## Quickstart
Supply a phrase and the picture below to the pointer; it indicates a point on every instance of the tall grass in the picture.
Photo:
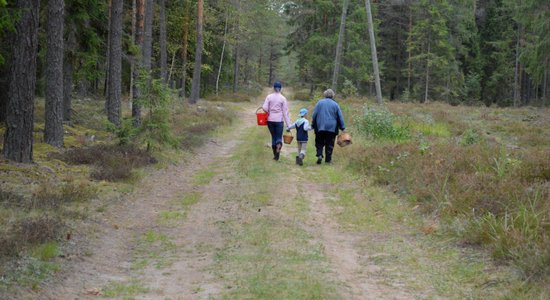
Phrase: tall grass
(501, 196)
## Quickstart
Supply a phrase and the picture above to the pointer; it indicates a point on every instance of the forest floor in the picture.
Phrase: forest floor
(233, 223)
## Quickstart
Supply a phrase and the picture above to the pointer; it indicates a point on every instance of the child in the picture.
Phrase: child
(302, 127)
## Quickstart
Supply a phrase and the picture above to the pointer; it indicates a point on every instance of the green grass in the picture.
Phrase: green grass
(266, 257)
(204, 176)
(154, 248)
(46, 251)
(124, 290)
(431, 129)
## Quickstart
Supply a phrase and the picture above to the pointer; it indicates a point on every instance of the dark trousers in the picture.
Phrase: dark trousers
(325, 139)
(276, 130)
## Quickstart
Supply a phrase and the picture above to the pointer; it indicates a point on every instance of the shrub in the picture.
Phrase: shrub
(112, 162)
(348, 89)
(381, 124)
(302, 95)
(470, 137)
(506, 196)
(39, 228)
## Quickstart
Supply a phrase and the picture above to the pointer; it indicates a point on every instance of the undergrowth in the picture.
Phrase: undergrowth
(41, 202)
(484, 189)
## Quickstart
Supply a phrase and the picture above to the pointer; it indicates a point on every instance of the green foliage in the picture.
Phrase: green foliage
(470, 137)
(155, 96)
(349, 89)
(381, 124)
(125, 133)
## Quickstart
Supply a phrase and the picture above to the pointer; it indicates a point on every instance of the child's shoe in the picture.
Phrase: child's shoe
(297, 160)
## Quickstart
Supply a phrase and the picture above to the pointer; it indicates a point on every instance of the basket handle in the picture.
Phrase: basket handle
(289, 131)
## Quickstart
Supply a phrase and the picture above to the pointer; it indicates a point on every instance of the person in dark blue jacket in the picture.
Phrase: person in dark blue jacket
(326, 120)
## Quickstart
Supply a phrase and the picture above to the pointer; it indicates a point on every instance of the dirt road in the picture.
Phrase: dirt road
(232, 223)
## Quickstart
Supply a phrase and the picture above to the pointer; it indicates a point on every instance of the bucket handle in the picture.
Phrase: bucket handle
(259, 109)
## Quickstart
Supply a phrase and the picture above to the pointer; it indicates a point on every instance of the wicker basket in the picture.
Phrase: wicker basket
(287, 138)
(343, 139)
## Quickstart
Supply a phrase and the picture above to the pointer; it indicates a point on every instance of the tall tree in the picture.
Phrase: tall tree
(115, 63)
(374, 54)
(223, 51)
(138, 58)
(53, 130)
(196, 84)
(18, 138)
(162, 40)
(185, 45)
(338, 57)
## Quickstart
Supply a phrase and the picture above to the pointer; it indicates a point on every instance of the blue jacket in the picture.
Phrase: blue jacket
(327, 116)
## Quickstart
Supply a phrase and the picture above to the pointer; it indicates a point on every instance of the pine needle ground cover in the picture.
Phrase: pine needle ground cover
(481, 173)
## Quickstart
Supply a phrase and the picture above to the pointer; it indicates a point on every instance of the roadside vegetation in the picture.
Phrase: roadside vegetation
(478, 175)
(43, 204)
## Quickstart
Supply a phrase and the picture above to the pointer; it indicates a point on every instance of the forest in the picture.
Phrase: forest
(130, 153)
(461, 52)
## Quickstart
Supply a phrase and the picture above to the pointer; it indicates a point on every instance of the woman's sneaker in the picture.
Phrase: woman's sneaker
(319, 159)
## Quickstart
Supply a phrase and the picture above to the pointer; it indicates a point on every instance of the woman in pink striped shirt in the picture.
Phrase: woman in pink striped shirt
(276, 106)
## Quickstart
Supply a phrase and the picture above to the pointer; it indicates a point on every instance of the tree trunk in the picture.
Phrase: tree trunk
(339, 46)
(271, 66)
(236, 52)
(374, 54)
(409, 51)
(516, 72)
(163, 54)
(147, 49)
(18, 138)
(236, 67)
(115, 63)
(136, 94)
(184, 47)
(196, 84)
(427, 79)
(133, 59)
(221, 56)
(172, 67)
(53, 129)
(106, 81)
(545, 86)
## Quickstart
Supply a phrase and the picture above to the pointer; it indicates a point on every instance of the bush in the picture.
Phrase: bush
(505, 197)
(381, 124)
(470, 137)
(112, 162)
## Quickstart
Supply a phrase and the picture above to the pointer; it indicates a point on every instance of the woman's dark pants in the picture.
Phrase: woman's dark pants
(325, 139)
(276, 130)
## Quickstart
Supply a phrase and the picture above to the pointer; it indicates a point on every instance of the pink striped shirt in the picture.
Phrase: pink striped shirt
(275, 104)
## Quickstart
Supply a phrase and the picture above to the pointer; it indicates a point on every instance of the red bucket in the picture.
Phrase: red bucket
(261, 116)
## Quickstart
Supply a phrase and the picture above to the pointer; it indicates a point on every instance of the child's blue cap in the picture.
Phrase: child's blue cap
(303, 112)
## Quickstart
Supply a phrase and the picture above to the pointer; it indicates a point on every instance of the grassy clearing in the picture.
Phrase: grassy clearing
(41, 202)
(406, 249)
(480, 175)
(266, 257)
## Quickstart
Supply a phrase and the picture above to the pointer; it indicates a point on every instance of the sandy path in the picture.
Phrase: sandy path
(118, 234)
